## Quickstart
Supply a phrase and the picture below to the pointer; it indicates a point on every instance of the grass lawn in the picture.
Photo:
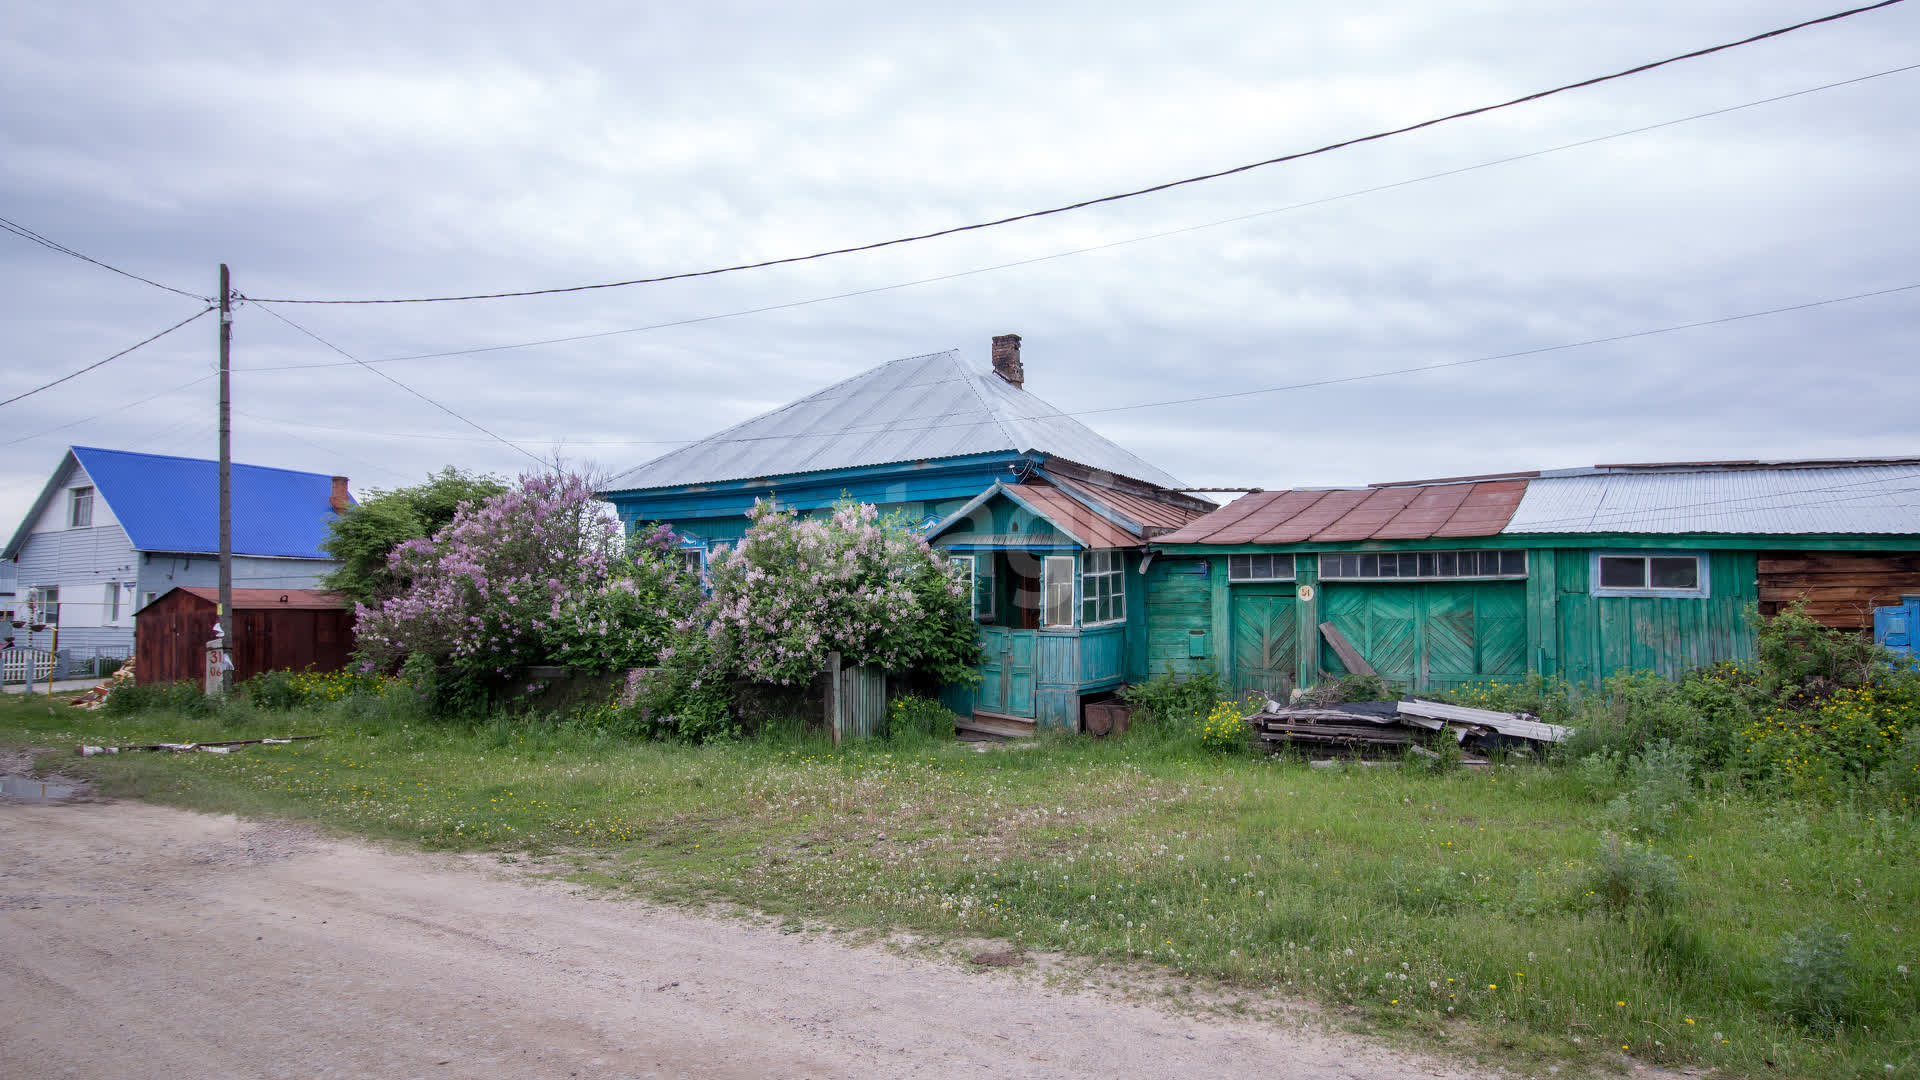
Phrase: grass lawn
(1446, 909)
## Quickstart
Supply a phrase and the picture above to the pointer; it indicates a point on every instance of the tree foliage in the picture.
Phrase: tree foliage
(364, 536)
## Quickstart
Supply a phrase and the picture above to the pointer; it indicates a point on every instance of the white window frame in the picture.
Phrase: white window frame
(1439, 557)
(1112, 569)
(1245, 567)
(1703, 567)
(39, 599)
(966, 568)
(110, 609)
(80, 497)
(1056, 575)
(693, 560)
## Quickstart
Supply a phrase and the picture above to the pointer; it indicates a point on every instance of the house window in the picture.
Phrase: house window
(1103, 587)
(692, 560)
(1424, 565)
(1056, 588)
(976, 571)
(43, 604)
(80, 507)
(1260, 567)
(110, 611)
(1635, 573)
(148, 598)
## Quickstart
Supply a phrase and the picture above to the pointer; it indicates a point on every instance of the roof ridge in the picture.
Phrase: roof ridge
(199, 460)
(973, 384)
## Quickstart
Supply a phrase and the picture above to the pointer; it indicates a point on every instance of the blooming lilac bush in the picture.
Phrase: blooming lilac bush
(539, 574)
(865, 585)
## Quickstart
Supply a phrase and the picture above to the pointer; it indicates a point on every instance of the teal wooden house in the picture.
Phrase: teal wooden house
(958, 447)
(1575, 573)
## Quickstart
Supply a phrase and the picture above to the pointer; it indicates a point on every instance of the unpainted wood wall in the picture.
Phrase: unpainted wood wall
(1841, 587)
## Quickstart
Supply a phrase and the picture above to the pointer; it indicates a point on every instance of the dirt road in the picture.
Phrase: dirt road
(138, 941)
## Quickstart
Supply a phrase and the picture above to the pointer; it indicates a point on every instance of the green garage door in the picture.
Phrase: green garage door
(1265, 644)
(1432, 636)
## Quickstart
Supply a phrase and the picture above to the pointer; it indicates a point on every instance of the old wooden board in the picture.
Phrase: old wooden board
(1344, 649)
(1504, 723)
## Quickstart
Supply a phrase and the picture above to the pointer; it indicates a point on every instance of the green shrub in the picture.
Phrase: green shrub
(1599, 773)
(1224, 728)
(182, 697)
(911, 714)
(1811, 978)
(1349, 688)
(1550, 699)
(1659, 786)
(1628, 878)
(1172, 699)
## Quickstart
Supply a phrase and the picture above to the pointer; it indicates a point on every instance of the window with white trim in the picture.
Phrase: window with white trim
(692, 560)
(110, 610)
(80, 507)
(1649, 573)
(1423, 565)
(1103, 587)
(979, 586)
(1056, 591)
(1260, 568)
(43, 604)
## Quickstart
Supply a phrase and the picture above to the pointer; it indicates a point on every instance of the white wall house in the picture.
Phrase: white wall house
(114, 529)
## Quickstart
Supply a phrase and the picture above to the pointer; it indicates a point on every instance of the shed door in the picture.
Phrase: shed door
(1265, 644)
(1435, 635)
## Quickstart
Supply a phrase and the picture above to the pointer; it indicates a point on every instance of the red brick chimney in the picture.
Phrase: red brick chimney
(1006, 359)
(339, 500)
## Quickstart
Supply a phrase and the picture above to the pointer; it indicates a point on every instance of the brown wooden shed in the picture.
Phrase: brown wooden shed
(275, 629)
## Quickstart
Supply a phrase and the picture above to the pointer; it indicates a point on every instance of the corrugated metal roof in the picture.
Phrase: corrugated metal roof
(1845, 500)
(1349, 514)
(267, 599)
(915, 409)
(173, 504)
(1139, 509)
(1074, 517)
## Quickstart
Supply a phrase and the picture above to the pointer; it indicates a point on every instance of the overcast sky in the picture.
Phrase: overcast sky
(360, 150)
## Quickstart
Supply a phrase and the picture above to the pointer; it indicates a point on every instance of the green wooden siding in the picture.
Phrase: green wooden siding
(1179, 601)
(1599, 636)
(1431, 635)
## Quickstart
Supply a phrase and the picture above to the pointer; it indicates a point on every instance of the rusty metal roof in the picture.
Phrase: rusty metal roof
(1139, 509)
(268, 599)
(1349, 514)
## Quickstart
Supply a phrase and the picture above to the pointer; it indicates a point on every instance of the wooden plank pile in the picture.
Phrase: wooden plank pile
(96, 697)
(1373, 727)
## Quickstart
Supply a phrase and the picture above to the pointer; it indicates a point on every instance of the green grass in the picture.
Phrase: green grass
(1444, 909)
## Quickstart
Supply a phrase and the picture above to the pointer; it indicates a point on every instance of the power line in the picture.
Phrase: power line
(1334, 381)
(25, 233)
(1168, 185)
(108, 412)
(696, 319)
(108, 360)
(398, 383)
(447, 438)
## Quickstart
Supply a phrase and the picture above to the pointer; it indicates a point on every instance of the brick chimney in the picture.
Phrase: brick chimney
(339, 500)
(1006, 359)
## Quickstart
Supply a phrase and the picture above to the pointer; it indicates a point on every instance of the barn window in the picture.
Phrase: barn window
(1259, 568)
(1103, 587)
(1649, 573)
(1424, 565)
(80, 507)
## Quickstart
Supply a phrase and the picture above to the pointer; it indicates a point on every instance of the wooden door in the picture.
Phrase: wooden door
(1265, 645)
(992, 696)
(1019, 670)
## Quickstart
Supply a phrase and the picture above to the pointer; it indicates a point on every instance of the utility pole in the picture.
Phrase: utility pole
(225, 613)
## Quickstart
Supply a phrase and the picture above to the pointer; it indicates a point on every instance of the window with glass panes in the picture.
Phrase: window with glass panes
(1259, 568)
(1632, 573)
(1103, 587)
(1056, 587)
(1423, 565)
(80, 507)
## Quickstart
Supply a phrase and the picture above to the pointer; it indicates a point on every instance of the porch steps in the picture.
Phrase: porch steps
(987, 723)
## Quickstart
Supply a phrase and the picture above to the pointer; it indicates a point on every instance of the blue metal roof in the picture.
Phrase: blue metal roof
(173, 504)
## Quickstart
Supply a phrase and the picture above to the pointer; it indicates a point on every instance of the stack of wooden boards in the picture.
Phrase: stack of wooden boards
(1363, 727)
(96, 697)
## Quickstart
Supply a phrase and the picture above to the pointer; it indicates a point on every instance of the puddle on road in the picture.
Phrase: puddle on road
(36, 789)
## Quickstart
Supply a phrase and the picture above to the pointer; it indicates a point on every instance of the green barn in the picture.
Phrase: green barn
(1577, 573)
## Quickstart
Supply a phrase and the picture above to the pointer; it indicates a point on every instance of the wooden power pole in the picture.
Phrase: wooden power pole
(225, 614)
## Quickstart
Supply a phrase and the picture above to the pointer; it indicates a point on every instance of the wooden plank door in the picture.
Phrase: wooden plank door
(1019, 668)
(1393, 633)
(1450, 657)
(1500, 622)
(1265, 645)
(992, 696)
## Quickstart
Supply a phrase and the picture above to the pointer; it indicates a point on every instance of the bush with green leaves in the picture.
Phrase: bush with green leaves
(182, 697)
(363, 536)
(1810, 979)
(1174, 699)
(912, 714)
(1549, 698)
(1659, 782)
(1627, 878)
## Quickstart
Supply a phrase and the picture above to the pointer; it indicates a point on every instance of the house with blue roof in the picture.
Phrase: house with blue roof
(1048, 518)
(114, 529)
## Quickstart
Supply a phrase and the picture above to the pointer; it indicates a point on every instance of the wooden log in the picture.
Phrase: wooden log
(1342, 648)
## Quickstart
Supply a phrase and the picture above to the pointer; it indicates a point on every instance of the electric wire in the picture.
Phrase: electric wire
(450, 412)
(1099, 200)
(25, 233)
(108, 360)
(107, 412)
(1185, 229)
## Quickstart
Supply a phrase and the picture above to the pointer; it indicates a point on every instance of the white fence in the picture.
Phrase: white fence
(25, 665)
